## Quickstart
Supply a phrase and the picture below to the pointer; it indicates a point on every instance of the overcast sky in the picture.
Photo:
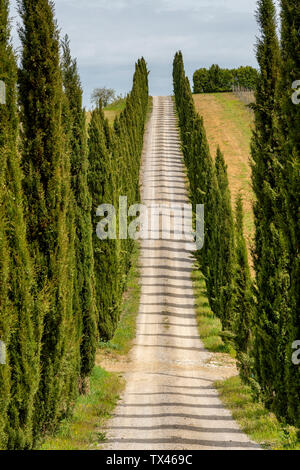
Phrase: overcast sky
(107, 36)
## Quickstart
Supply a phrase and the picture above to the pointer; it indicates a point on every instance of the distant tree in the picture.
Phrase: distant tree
(107, 95)
(201, 81)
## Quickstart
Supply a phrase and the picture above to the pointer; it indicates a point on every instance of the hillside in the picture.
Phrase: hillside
(111, 111)
(228, 124)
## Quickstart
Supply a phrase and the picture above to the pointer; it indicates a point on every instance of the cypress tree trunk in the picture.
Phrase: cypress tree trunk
(20, 321)
(84, 306)
(49, 210)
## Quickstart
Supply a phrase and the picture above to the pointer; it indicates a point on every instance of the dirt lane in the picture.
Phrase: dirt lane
(169, 402)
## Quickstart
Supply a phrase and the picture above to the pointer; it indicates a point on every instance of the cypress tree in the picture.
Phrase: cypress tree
(243, 298)
(288, 399)
(224, 268)
(48, 208)
(209, 186)
(6, 317)
(114, 158)
(270, 253)
(84, 306)
(19, 321)
(101, 186)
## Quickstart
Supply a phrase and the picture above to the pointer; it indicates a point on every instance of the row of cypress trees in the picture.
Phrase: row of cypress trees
(60, 286)
(276, 179)
(114, 153)
(261, 317)
(223, 259)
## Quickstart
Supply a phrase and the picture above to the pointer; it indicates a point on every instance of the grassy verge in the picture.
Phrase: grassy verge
(209, 326)
(254, 419)
(84, 430)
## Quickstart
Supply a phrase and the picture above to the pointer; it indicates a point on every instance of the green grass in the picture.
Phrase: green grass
(209, 326)
(113, 110)
(86, 428)
(126, 331)
(254, 419)
(237, 112)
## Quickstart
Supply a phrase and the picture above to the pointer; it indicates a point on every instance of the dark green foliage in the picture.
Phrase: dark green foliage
(209, 186)
(216, 79)
(19, 320)
(225, 246)
(114, 158)
(101, 186)
(243, 299)
(84, 306)
(275, 152)
(49, 317)
(49, 209)
(270, 255)
(289, 220)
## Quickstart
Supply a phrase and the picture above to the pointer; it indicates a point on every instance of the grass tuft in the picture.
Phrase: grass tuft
(84, 430)
(209, 326)
(255, 420)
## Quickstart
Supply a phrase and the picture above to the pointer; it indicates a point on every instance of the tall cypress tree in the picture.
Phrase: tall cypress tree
(225, 265)
(114, 162)
(270, 252)
(6, 317)
(101, 186)
(288, 213)
(243, 298)
(84, 305)
(20, 320)
(49, 218)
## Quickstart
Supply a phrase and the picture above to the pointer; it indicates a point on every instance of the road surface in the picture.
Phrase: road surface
(169, 402)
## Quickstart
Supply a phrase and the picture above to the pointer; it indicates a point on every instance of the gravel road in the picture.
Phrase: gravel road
(169, 402)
